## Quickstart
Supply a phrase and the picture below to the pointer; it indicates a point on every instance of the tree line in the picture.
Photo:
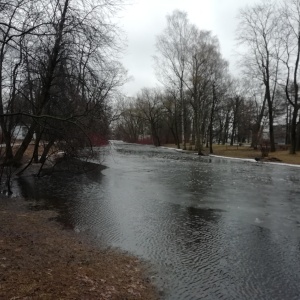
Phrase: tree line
(59, 73)
(202, 103)
(60, 76)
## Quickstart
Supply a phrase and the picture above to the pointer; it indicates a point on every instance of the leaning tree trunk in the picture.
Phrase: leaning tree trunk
(46, 151)
(257, 125)
(28, 138)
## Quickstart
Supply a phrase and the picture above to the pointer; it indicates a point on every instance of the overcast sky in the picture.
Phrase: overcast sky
(143, 20)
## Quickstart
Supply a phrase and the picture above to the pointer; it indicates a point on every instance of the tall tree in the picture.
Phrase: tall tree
(203, 55)
(258, 31)
(149, 104)
(19, 19)
(171, 61)
(65, 68)
(171, 105)
(290, 25)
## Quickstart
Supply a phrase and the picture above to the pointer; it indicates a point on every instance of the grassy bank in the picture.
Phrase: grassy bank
(40, 260)
(247, 152)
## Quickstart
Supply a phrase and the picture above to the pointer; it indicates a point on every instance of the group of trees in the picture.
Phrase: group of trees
(201, 102)
(155, 115)
(194, 74)
(271, 33)
(59, 72)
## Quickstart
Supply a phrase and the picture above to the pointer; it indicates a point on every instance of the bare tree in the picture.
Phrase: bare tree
(258, 31)
(171, 105)
(205, 82)
(18, 20)
(65, 69)
(149, 103)
(290, 22)
(130, 125)
(171, 61)
(201, 61)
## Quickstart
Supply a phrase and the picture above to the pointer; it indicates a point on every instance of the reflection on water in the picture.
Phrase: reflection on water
(212, 230)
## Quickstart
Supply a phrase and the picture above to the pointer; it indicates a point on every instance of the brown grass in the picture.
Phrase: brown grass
(39, 260)
(247, 152)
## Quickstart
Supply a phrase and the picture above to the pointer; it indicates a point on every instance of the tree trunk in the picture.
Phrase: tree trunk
(225, 134)
(232, 134)
(192, 141)
(255, 136)
(294, 131)
(257, 126)
(52, 63)
(220, 135)
(176, 133)
(270, 111)
(298, 137)
(28, 138)
(271, 129)
(199, 136)
(183, 113)
(211, 139)
(155, 136)
(212, 120)
(175, 137)
(36, 145)
(46, 151)
(8, 146)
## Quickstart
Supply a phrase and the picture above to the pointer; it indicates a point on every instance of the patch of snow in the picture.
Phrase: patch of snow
(253, 161)
(283, 164)
(234, 158)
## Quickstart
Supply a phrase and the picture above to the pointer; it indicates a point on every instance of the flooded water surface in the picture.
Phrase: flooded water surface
(211, 228)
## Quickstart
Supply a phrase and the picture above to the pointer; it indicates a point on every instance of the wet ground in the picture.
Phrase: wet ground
(212, 228)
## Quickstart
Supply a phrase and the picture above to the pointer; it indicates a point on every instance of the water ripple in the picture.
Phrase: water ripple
(212, 229)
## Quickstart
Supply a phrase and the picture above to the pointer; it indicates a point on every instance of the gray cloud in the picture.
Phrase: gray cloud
(144, 20)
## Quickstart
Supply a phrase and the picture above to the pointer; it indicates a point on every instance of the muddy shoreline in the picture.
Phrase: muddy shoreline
(39, 259)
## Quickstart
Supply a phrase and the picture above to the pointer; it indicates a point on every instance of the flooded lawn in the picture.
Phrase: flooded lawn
(212, 228)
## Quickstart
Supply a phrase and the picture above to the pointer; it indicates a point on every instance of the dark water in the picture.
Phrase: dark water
(212, 229)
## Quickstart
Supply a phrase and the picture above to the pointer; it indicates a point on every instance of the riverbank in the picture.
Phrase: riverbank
(236, 151)
(41, 260)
